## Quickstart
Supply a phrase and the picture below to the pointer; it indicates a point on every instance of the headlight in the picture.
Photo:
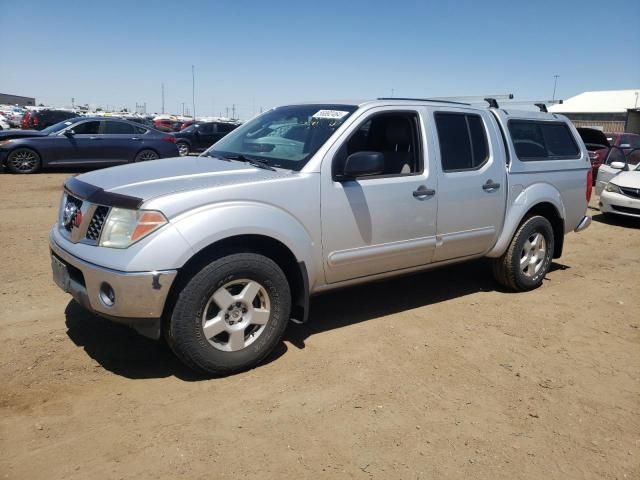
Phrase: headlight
(612, 187)
(124, 227)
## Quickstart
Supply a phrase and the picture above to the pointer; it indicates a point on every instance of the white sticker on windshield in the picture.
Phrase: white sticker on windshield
(333, 114)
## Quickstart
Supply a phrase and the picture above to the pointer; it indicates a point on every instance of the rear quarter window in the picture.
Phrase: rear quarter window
(535, 140)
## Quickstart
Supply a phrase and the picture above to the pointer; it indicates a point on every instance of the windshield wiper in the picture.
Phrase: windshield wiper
(213, 155)
(251, 161)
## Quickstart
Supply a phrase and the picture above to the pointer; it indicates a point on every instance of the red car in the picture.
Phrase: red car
(164, 124)
(25, 119)
(598, 144)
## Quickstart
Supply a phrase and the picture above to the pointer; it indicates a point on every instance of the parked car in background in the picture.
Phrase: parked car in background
(4, 123)
(621, 196)
(200, 136)
(597, 145)
(24, 123)
(41, 119)
(85, 141)
(626, 141)
(618, 160)
(163, 124)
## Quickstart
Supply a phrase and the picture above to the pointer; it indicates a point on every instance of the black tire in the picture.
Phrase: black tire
(23, 161)
(507, 268)
(183, 149)
(185, 333)
(146, 155)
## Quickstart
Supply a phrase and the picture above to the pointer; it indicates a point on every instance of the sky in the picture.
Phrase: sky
(259, 54)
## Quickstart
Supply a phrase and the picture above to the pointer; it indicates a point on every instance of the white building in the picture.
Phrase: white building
(613, 111)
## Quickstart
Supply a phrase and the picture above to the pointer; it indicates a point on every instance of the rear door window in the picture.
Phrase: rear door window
(535, 140)
(117, 128)
(463, 141)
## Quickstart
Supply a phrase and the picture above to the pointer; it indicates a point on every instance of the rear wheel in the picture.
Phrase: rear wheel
(528, 259)
(183, 148)
(231, 314)
(146, 154)
(23, 160)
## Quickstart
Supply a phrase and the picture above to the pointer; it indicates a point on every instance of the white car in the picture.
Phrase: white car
(621, 195)
(4, 124)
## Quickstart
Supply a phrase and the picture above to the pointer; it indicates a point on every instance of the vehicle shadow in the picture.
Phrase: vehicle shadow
(122, 351)
(617, 220)
(366, 302)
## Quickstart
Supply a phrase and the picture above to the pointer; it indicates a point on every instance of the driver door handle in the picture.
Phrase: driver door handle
(423, 192)
(490, 186)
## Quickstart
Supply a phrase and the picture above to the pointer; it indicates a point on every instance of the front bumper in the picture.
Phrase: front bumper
(611, 202)
(138, 297)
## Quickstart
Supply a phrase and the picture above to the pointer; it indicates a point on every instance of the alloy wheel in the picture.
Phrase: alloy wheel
(534, 252)
(236, 315)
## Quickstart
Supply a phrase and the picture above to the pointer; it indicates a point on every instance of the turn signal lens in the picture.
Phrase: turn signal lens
(147, 223)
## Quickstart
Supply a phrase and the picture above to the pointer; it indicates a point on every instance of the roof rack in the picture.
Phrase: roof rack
(423, 100)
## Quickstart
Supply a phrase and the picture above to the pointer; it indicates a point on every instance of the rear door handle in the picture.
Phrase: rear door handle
(490, 186)
(135, 138)
(94, 138)
(423, 192)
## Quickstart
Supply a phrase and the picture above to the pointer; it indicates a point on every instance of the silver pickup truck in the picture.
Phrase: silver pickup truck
(218, 252)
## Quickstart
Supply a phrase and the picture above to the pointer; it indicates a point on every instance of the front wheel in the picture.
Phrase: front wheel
(23, 160)
(528, 259)
(231, 314)
(145, 155)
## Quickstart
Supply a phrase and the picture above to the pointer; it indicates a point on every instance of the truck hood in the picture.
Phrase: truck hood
(627, 179)
(151, 179)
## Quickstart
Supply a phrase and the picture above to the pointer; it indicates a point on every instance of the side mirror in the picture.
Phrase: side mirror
(70, 132)
(618, 165)
(361, 164)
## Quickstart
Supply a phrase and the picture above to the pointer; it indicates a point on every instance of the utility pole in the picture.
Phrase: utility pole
(73, 102)
(183, 109)
(163, 98)
(227, 116)
(233, 109)
(555, 83)
(193, 90)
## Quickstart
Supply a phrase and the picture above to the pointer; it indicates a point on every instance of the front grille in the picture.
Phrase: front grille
(634, 211)
(97, 222)
(69, 211)
(631, 192)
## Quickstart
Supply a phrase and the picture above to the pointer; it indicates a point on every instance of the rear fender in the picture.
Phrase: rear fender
(520, 201)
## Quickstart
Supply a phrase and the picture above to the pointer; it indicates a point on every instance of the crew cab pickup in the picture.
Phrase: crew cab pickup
(217, 253)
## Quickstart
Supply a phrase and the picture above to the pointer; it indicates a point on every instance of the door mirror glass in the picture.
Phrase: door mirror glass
(362, 164)
(618, 165)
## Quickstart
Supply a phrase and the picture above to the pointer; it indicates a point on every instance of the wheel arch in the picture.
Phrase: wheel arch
(539, 199)
(294, 270)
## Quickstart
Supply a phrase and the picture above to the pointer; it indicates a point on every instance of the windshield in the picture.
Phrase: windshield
(285, 137)
(56, 127)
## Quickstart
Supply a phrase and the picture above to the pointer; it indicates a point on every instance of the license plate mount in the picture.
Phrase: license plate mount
(60, 273)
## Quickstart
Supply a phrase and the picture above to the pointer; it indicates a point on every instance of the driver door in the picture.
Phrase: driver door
(385, 222)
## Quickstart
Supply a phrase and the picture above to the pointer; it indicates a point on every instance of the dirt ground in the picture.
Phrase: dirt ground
(436, 375)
